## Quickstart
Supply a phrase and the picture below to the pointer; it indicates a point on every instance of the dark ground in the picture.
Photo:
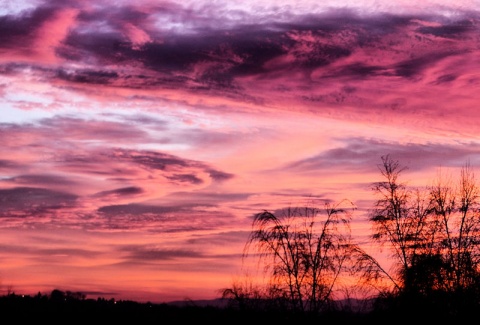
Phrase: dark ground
(74, 310)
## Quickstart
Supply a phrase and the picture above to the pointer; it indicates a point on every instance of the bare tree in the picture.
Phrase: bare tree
(244, 295)
(400, 220)
(433, 235)
(305, 251)
(456, 207)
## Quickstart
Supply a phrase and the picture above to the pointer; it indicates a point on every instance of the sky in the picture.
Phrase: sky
(140, 138)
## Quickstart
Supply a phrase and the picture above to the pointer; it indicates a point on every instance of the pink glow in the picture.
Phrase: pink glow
(139, 140)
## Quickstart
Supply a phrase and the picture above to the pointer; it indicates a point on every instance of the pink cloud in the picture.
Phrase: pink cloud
(137, 36)
(52, 33)
(40, 45)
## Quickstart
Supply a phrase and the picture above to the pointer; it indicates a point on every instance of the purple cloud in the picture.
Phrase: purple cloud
(40, 179)
(365, 154)
(124, 191)
(23, 201)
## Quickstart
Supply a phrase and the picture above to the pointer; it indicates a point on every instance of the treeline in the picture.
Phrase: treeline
(74, 307)
(311, 260)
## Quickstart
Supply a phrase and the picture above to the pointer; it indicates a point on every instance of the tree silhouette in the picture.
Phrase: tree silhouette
(456, 208)
(433, 236)
(401, 221)
(305, 251)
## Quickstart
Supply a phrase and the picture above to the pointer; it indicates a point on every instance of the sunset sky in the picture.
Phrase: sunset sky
(138, 139)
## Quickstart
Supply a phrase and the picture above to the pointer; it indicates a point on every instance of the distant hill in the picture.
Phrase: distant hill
(219, 302)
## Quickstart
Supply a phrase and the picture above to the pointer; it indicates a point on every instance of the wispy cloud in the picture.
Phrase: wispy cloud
(361, 155)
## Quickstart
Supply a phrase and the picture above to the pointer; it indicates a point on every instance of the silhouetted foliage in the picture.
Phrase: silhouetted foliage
(432, 233)
(305, 252)
(434, 236)
(53, 308)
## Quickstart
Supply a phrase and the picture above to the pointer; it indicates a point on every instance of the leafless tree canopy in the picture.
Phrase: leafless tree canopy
(306, 251)
(432, 234)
